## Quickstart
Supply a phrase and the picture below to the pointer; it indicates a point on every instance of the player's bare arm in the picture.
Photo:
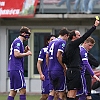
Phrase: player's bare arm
(47, 59)
(39, 63)
(18, 54)
(59, 57)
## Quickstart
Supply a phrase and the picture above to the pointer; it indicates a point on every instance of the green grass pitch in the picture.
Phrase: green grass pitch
(28, 97)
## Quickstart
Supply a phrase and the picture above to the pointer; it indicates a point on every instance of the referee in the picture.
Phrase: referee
(72, 56)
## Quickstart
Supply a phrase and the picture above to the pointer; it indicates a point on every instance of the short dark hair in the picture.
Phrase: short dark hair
(48, 38)
(25, 29)
(72, 33)
(64, 31)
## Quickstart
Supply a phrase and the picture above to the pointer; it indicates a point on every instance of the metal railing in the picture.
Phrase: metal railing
(69, 6)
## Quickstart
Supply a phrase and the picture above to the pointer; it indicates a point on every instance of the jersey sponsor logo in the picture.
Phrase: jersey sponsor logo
(18, 44)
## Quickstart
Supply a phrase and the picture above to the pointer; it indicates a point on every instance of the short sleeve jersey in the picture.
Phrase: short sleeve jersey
(84, 61)
(56, 45)
(42, 57)
(16, 63)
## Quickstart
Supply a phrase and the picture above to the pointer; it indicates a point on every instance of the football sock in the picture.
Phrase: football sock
(50, 97)
(82, 97)
(22, 97)
(10, 98)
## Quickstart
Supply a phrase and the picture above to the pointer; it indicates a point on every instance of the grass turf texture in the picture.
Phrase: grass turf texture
(28, 97)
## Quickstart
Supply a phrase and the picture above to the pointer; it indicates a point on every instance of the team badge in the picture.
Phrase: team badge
(63, 45)
(18, 44)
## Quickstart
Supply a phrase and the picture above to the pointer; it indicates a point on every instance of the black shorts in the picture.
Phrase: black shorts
(73, 79)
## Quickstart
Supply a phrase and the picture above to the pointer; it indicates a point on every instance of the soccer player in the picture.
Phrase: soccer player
(93, 62)
(86, 46)
(56, 68)
(16, 64)
(43, 69)
(72, 61)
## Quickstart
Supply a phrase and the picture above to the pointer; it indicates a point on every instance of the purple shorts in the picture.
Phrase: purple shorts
(45, 86)
(57, 80)
(83, 90)
(17, 80)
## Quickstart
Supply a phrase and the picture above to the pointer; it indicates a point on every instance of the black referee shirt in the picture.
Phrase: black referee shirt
(72, 52)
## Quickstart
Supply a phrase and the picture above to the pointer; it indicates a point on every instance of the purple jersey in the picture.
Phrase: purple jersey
(14, 62)
(42, 57)
(56, 45)
(84, 63)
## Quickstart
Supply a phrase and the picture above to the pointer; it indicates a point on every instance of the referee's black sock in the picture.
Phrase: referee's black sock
(70, 98)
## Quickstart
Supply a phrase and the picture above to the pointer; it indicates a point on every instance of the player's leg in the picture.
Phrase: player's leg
(74, 82)
(57, 80)
(71, 94)
(82, 97)
(44, 97)
(13, 92)
(22, 94)
(61, 86)
(51, 87)
(51, 95)
(61, 95)
(45, 90)
(88, 83)
(65, 95)
(89, 97)
(21, 85)
(56, 96)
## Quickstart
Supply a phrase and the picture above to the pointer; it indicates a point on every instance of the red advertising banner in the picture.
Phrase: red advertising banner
(18, 8)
